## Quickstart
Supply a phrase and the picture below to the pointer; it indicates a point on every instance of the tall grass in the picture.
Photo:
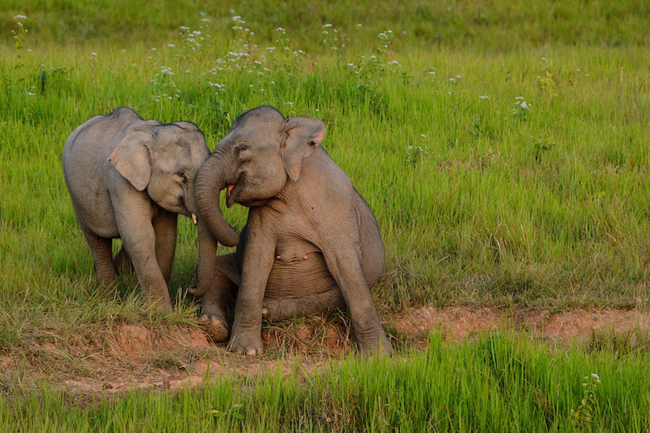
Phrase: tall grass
(502, 146)
(495, 383)
(497, 177)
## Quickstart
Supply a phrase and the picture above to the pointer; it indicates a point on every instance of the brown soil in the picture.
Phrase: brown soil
(132, 356)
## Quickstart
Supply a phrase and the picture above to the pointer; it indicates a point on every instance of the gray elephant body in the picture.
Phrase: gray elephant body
(129, 178)
(311, 242)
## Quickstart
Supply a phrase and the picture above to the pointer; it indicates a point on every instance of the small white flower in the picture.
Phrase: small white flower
(30, 93)
(452, 79)
(20, 17)
(93, 54)
(171, 45)
(519, 97)
(327, 25)
(184, 28)
(484, 97)
(524, 105)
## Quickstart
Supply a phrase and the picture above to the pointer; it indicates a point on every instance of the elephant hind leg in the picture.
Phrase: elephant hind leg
(284, 308)
(165, 229)
(219, 299)
(101, 249)
(122, 262)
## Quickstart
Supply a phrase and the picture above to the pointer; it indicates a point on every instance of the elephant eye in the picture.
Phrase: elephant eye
(181, 174)
(241, 147)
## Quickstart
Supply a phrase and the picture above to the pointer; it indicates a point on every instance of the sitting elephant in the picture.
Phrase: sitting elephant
(129, 178)
(311, 243)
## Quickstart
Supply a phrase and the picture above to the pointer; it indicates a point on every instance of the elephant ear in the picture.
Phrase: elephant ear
(302, 135)
(132, 159)
(188, 126)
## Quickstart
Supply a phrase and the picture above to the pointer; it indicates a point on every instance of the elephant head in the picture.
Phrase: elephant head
(164, 160)
(260, 154)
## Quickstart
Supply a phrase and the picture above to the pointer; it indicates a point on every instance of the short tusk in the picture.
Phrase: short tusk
(194, 218)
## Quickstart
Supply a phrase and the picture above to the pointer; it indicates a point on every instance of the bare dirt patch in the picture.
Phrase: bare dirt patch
(132, 356)
(459, 322)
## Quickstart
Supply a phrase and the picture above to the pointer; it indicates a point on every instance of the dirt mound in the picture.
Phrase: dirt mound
(460, 322)
(132, 356)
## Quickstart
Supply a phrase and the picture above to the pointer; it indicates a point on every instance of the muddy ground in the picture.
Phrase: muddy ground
(129, 356)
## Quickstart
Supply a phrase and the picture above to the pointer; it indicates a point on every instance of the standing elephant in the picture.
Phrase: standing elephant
(311, 242)
(129, 178)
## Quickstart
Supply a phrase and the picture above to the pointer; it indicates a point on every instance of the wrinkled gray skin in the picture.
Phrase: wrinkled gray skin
(311, 243)
(129, 178)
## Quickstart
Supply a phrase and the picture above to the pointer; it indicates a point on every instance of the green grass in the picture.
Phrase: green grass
(497, 382)
(481, 199)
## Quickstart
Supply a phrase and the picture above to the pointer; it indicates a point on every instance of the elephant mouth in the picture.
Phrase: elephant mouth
(181, 207)
(233, 190)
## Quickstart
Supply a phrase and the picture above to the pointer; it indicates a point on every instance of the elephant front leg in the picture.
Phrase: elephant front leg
(246, 335)
(346, 269)
(139, 239)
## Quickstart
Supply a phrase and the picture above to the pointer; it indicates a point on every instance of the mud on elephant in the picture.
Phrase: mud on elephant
(311, 243)
(129, 178)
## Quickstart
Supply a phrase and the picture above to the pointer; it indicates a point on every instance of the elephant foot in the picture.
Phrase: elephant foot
(246, 345)
(160, 304)
(381, 346)
(215, 327)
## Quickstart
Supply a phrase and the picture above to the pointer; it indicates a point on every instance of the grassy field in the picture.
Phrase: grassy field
(496, 383)
(503, 147)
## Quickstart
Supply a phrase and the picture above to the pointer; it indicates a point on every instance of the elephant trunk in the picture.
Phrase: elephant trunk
(207, 258)
(210, 180)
